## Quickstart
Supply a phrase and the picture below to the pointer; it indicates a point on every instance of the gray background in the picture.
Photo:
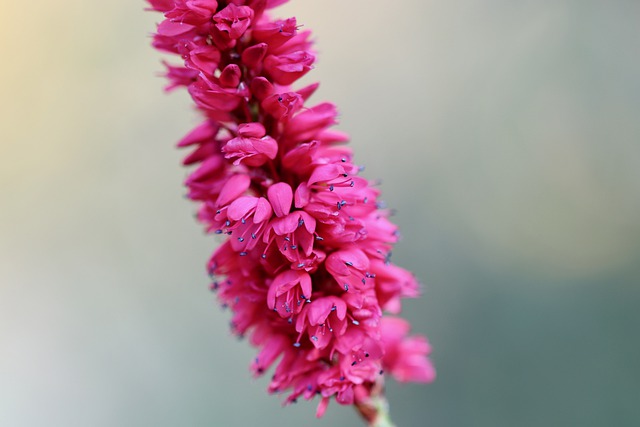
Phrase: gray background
(508, 137)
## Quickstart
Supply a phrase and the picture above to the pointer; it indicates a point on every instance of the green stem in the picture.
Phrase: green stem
(376, 411)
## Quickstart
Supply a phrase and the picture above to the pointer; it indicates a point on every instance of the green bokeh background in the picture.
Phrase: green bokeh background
(507, 134)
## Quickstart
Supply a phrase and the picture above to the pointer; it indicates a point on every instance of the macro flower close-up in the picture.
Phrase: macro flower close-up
(305, 262)
(319, 213)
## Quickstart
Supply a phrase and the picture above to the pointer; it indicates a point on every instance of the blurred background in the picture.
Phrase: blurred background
(508, 137)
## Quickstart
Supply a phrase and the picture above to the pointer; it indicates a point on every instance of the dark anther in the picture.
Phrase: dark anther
(349, 263)
(242, 254)
(241, 239)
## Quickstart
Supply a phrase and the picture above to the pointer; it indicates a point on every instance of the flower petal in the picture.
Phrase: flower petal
(280, 196)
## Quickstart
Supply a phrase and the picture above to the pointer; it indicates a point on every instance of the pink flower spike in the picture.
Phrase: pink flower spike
(304, 263)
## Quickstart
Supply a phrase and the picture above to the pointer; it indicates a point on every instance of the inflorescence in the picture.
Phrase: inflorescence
(305, 265)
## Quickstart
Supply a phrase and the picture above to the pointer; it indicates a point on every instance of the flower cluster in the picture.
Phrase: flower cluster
(305, 264)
